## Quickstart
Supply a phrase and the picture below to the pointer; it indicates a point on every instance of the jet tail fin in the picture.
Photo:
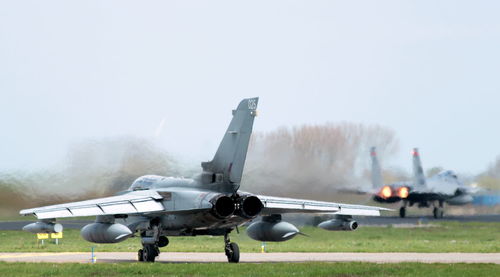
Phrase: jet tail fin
(418, 172)
(226, 168)
(376, 177)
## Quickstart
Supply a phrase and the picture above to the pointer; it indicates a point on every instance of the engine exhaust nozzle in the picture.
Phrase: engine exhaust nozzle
(223, 206)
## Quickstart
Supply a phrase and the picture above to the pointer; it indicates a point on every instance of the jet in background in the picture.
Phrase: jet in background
(444, 187)
(155, 207)
(386, 193)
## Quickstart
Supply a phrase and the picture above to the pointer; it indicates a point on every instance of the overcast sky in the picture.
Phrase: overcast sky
(74, 70)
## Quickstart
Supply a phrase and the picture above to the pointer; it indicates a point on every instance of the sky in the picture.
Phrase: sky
(172, 71)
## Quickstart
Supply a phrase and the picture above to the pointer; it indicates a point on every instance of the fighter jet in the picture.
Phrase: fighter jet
(444, 187)
(156, 207)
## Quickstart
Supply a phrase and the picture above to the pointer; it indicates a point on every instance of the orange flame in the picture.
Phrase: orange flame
(403, 192)
(386, 192)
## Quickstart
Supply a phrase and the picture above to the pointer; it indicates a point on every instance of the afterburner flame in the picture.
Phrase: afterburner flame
(403, 192)
(386, 192)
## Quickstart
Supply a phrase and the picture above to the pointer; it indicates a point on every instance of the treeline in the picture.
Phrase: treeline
(315, 160)
(309, 161)
(306, 161)
(490, 179)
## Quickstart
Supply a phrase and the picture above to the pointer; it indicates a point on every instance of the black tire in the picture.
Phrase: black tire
(233, 253)
(163, 241)
(402, 212)
(140, 256)
(149, 253)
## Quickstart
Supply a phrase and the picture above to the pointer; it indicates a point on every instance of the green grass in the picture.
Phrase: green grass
(267, 269)
(445, 237)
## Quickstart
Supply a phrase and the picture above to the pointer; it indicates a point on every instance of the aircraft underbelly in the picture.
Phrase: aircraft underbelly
(197, 220)
(420, 197)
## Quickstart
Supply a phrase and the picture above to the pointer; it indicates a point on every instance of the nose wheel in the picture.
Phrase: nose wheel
(231, 249)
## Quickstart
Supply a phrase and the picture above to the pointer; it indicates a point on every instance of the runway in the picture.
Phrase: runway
(183, 257)
(363, 221)
(18, 225)
(391, 220)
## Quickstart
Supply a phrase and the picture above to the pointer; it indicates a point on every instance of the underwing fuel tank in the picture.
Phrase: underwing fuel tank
(43, 227)
(337, 224)
(105, 232)
(268, 230)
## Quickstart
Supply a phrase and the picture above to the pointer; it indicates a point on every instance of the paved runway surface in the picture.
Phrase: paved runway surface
(367, 221)
(386, 220)
(18, 225)
(178, 257)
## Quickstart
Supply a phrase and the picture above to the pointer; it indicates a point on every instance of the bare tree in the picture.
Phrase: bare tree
(490, 179)
(312, 160)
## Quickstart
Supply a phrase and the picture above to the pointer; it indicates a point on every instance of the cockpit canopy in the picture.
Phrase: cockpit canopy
(448, 174)
(143, 183)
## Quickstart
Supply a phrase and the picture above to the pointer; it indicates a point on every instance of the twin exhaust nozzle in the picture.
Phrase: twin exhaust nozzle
(245, 206)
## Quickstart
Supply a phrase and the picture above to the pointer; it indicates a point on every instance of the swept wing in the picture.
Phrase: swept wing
(280, 205)
(131, 203)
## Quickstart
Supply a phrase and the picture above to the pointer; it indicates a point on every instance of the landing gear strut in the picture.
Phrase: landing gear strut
(151, 243)
(402, 210)
(438, 212)
(232, 250)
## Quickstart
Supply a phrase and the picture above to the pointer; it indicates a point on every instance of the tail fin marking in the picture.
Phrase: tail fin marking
(229, 160)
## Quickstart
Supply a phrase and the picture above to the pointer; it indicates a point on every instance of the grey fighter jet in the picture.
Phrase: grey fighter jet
(444, 187)
(156, 207)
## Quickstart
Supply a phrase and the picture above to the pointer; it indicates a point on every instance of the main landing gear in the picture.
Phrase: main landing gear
(151, 243)
(438, 212)
(148, 253)
(232, 250)
(402, 210)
